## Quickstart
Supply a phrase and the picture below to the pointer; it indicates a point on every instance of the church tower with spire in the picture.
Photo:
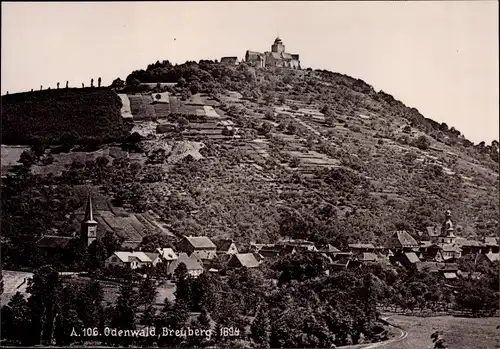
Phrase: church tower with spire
(89, 225)
(447, 231)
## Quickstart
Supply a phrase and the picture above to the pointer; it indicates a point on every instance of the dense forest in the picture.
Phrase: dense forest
(62, 116)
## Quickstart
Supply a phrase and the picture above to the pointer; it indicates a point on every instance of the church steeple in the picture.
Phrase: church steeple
(89, 225)
(89, 214)
(447, 230)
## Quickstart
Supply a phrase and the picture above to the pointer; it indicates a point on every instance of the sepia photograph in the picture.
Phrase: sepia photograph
(250, 174)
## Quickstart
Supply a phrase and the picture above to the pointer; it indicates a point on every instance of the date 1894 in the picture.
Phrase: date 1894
(151, 332)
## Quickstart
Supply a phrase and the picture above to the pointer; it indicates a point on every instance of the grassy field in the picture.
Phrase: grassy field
(459, 333)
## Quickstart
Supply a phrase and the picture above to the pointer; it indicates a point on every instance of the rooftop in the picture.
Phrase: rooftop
(200, 242)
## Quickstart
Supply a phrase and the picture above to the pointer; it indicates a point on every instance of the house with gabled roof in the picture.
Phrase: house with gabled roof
(200, 246)
(132, 260)
(226, 246)
(359, 248)
(471, 246)
(367, 257)
(402, 240)
(155, 258)
(492, 243)
(246, 260)
(406, 259)
(431, 233)
(442, 252)
(51, 244)
(193, 265)
(488, 258)
(328, 249)
(167, 254)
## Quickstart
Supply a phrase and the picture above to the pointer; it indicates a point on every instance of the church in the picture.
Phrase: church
(278, 57)
(53, 244)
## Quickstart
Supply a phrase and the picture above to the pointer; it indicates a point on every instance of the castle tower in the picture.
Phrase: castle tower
(447, 231)
(278, 46)
(89, 225)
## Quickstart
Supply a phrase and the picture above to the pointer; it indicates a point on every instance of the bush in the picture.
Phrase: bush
(422, 143)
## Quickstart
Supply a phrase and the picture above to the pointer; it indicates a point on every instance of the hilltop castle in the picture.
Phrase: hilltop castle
(276, 58)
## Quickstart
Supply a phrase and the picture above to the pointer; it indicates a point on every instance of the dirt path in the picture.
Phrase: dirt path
(398, 342)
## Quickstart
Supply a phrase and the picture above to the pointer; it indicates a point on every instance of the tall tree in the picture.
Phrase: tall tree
(261, 327)
(125, 308)
(147, 293)
(97, 254)
(183, 285)
(99, 82)
(15, 319)
(45, 289)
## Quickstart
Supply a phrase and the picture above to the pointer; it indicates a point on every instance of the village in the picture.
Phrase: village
(436, 250)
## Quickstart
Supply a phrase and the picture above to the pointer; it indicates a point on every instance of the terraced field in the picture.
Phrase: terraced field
(141, 107)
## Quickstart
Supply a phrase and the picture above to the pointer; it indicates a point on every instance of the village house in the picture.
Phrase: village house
(200, 246)
(447, 270)
(132, 260)
(488, 258)
(167, 255)
(299, 244)
(226, 246)
(341, 261)
(240, 260)
(193, 265)
(442, 252)
(406, 259)
(365, 258)
(328, 249)
(154, 257)
(492, 243)
(52, 245)
(357, 249)
(430, 233)
(471, 246)
(403, 241)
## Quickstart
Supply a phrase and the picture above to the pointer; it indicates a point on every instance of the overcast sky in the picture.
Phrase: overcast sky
(439, 57)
